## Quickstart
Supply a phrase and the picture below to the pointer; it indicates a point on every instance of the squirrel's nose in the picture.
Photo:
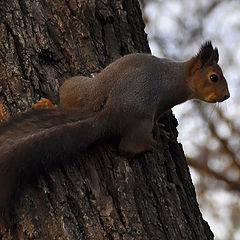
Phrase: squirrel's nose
(227, 96)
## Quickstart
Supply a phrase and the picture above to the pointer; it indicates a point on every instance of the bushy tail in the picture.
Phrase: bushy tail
(39, 139)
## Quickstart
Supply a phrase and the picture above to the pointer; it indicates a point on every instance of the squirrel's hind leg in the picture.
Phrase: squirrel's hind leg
(138, 138)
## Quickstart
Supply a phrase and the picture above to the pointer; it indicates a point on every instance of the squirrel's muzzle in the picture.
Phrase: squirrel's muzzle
(226, 96)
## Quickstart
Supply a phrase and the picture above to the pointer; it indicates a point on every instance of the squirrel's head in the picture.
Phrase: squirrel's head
(205, 77)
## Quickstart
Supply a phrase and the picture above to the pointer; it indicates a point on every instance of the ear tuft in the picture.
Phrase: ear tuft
(207, 54)
(206, 45)
(216, 55)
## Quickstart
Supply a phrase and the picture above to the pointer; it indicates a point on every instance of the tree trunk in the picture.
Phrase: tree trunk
(100, 195)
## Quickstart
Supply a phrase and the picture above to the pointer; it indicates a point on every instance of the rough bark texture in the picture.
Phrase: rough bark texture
(100, 195)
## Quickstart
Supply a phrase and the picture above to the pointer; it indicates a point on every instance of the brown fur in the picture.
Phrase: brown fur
(199, 69)
(44, 103)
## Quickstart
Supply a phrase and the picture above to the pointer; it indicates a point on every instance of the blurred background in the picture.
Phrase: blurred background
(210, 133)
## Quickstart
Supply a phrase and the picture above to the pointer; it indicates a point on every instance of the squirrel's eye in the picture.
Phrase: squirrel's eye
(214, 78)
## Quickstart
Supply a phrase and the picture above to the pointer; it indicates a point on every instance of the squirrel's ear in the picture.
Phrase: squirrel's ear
(216, 55)
(205, 57)
(207, 54)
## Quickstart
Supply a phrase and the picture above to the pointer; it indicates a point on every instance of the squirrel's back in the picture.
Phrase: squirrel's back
(129, 79)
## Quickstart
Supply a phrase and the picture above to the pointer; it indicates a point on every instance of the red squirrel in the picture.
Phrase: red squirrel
(125, 100)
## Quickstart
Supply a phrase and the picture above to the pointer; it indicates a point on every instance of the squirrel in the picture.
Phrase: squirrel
(132, 92)
(124, 100)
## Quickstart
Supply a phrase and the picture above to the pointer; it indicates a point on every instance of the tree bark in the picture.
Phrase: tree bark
(99, 195)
